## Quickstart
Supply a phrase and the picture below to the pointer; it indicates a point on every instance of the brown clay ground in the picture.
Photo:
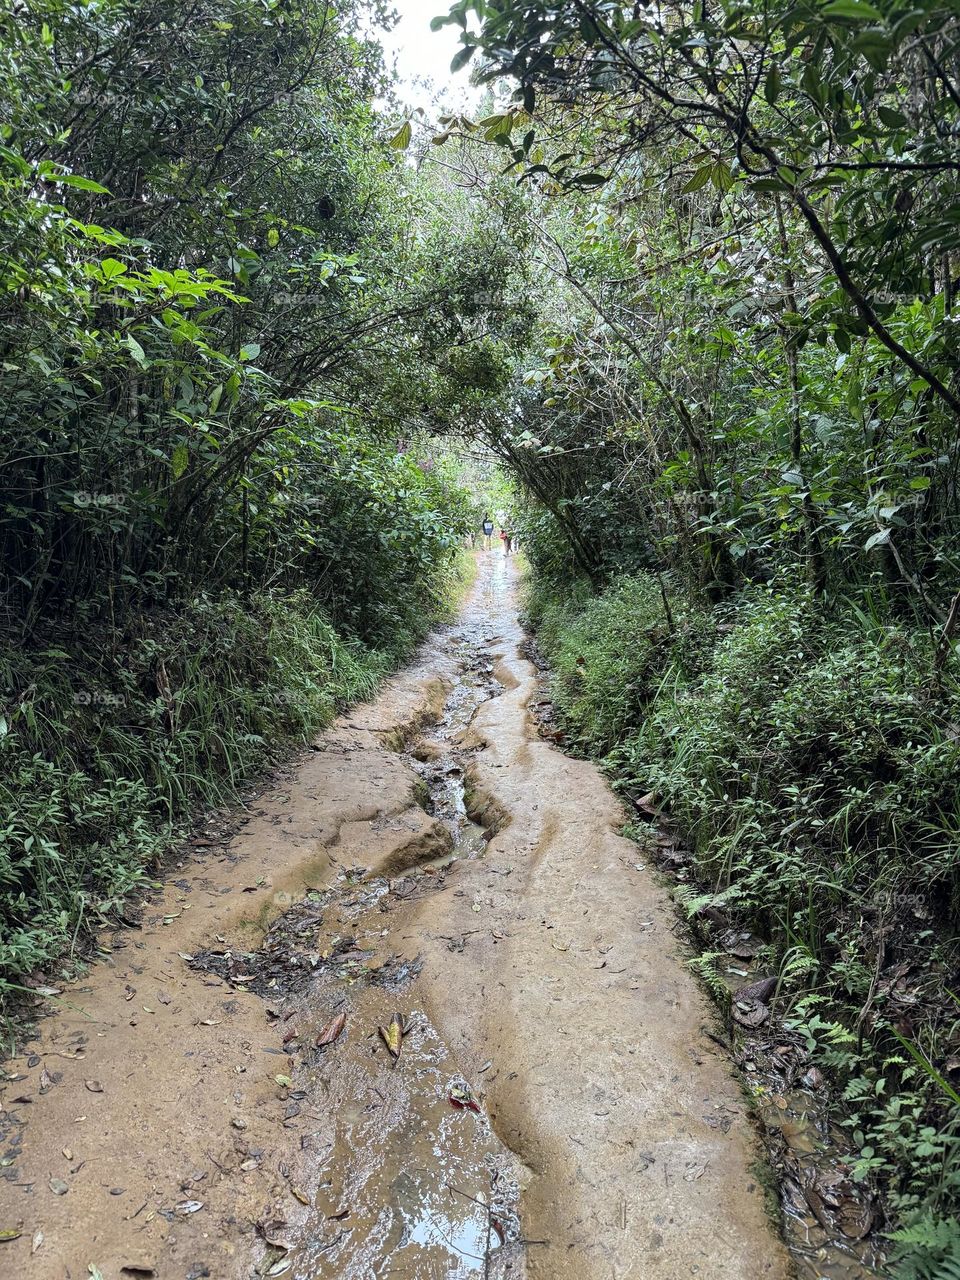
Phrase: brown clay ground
(176, 1116)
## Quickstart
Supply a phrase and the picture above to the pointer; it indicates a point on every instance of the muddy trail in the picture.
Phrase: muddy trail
(423, 1013)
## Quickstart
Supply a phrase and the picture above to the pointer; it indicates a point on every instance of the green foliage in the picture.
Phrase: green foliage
(928, 1248)
(230, 317)
(609, 655)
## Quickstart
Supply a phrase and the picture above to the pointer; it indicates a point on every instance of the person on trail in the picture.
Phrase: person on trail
(487, 532)
(505, 539)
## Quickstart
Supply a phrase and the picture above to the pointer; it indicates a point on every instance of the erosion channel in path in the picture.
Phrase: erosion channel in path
(423, 1014)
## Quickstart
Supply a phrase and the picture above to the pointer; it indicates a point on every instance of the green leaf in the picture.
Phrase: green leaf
(179, 460)
(74, 180)
(250, 351)
(772, 85)
(721, 177)
(135, 349)
(463, 57)
(699, 179)
(110, 268)
(855, 10)
(273, 238)
(893, 119)
(879, 539)
(401, 139)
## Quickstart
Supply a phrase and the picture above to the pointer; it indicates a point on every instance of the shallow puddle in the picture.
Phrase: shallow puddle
(412, 1181)
(828, 1221)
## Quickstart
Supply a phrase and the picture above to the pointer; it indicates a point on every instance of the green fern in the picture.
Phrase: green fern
(928, 1248)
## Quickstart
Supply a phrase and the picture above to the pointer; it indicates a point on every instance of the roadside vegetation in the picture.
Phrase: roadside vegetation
(231, 316)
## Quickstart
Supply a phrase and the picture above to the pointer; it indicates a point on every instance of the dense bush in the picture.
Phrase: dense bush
(227, 313)
(609, 654)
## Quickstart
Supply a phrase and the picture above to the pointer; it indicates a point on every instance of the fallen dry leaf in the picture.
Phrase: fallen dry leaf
(460, 1096)
(94, 1086)
(392, 1037)
(749, 1013)
(761, 990)
(331, 1031)
(36, 1242)
(58, 1186)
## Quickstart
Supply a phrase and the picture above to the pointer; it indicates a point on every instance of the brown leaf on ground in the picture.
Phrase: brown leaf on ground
(761, 991)
(274, 1231)
(332, 1031)
(856, 1220)
(742, 945)
(813, 1079)
(749, 1013)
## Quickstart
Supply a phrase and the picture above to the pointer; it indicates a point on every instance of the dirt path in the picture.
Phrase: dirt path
(555, 1110)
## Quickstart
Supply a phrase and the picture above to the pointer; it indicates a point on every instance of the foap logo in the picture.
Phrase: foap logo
(85, 499)
(97, 698)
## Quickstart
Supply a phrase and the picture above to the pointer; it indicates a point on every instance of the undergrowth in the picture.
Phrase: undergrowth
(811, 759)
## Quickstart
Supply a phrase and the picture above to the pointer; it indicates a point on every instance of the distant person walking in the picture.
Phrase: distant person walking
(487, 532)
(506, 538)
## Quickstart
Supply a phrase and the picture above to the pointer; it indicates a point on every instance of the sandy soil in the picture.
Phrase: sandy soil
(556, 1109)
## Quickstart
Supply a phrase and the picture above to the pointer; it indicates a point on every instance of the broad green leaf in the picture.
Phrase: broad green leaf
(81, 184)
(878, 539)
(699, 179)
(893, 119)
(401, 139)
(462, 57)
(135, 349)
(110, 268)
(859, 10)
(179, 460)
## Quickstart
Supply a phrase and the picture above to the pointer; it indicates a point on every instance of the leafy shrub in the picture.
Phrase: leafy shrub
(609, 653)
